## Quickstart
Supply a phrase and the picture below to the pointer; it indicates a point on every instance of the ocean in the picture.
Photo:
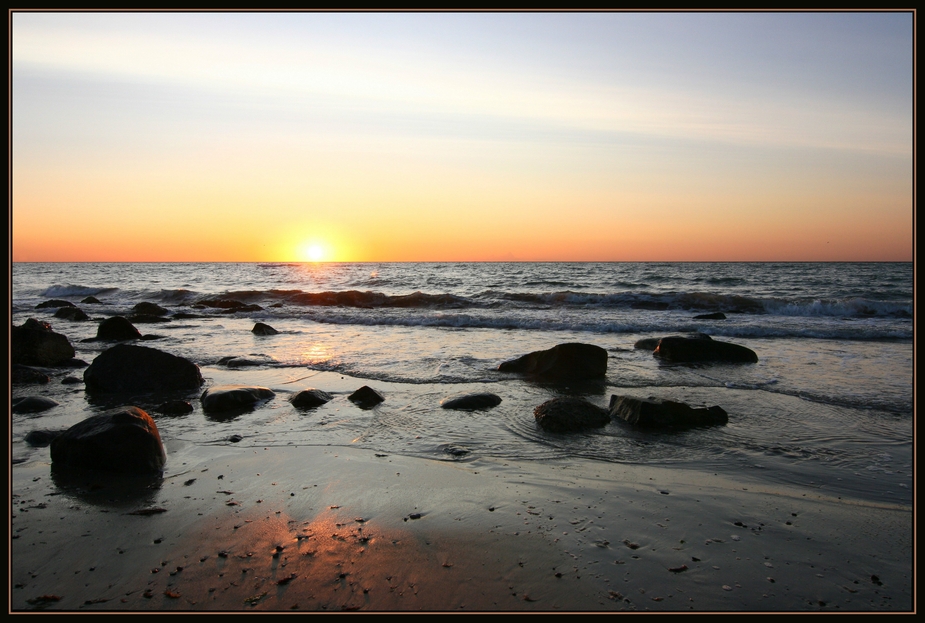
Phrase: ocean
(828, 406)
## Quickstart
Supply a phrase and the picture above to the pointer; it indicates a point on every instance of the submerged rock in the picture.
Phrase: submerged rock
(692, 350)
(564, 362)
(124, 440)
(174, 407)
(569, 415)
(129, 368)
(91, 300)
(366, 397)
(714, 316)
(469, 402)
(233, 397)
(32, 404)
(310, 398)
(35, 344)
(263, 329)
(659, 413)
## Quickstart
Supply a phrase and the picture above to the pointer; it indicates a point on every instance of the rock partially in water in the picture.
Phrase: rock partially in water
(32, 404)
(54, 303)
(564, 362)
(659, 413)
(71, 313)
(36, 344)
(24, 375)
(569, 415)
(688, 350)
(41, 438)
(651, 343)
(263, 329)
(471, 402)
(310, 398)
(152, 309)
(233, 397)
(129, 368)
(123, 440)
(174, 407)
(366, 397)
(91, 300)
(713, 316)
(117, 329)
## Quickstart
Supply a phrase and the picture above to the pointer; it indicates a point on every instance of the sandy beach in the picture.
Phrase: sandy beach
(344, 529)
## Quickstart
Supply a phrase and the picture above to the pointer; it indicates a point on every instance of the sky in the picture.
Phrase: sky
(276, 136)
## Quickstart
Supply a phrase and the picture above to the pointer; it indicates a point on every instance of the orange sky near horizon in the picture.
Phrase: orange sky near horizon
(461, 137)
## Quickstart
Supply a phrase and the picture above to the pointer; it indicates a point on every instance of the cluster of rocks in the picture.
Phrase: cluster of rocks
(127, 440)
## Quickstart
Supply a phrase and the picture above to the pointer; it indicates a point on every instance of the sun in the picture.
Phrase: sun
(313, 252)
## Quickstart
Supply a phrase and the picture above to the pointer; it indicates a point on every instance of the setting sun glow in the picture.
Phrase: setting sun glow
(312, 252)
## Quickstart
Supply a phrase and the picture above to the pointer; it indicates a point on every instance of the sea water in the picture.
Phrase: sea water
(829, 404)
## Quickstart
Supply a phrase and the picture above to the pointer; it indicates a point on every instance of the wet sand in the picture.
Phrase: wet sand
(316, 528)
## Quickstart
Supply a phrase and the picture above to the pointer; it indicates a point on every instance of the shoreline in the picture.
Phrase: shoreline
(333, 528)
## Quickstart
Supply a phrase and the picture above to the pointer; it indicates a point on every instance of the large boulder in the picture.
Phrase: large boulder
(651, 343)
(694, 350)
(129, 368)
(117, 329)
(233, 397)
(471, 402)
(564, 362)
(124, 440)
(569, 415)
(659, 413)
(310, 398)
(35, 344)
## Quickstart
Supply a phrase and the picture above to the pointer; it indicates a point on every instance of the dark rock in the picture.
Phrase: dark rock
(124, 440)
(71, 380)
(310, 398)
(35, 344)
(692, 350)
(229, 305)
(245, 362)
(24, 375)
(174, 407)
(129, 368)
(235, 438)
(659, 413)
(568, 415)
(91, 300)
(73, 362)
(233, 397)
(652, 342)
(71, 313)
(54, 303)
(366, 397)
(484, 400)
(263, 329)
(561, 363)
(147, 318)
(32, 404)
(117, 329)
(647, 343)
(149, 309)
(716, 316)
(41, 438)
